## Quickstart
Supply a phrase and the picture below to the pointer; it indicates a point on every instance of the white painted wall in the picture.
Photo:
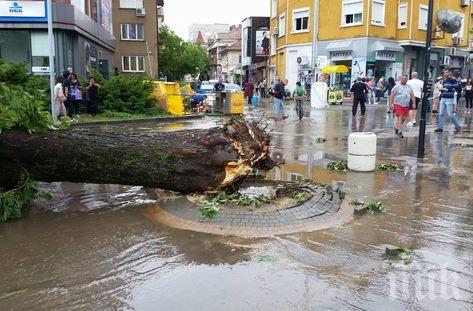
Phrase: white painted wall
(292, 67)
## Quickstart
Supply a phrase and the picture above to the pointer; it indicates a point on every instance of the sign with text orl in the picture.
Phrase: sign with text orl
(23, 11)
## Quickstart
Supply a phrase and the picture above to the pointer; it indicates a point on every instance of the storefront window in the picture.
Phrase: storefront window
(15, 46)
(39, 51)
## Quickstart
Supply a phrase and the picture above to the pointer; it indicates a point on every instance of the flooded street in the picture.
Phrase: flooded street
(98, 246)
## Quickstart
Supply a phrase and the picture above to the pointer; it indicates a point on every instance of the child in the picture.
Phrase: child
(299, 99)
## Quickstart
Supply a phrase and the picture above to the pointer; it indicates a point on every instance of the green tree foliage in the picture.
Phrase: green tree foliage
(177, 57)
(13, 202)
(126, 94)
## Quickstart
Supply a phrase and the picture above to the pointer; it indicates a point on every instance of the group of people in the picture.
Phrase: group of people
(404, 96)
(68, 95)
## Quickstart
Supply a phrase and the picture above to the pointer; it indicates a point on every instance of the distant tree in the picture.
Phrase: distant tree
(178, 58)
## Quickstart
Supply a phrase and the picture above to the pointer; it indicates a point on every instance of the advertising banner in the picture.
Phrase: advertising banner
(23, 11)
(262, 43)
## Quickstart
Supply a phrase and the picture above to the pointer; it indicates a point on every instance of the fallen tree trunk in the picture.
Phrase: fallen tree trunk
(184, 161)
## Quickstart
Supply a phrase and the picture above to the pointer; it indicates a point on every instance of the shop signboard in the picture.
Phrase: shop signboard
(386, 56)
(341, 55)
(37, 69)
(23, 11)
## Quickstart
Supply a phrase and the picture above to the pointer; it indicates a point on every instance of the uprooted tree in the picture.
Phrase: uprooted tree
(184, 161)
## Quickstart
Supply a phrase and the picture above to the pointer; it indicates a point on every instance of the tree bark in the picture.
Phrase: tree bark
(184, 161)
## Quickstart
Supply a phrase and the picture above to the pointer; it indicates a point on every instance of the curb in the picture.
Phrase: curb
(158, 119)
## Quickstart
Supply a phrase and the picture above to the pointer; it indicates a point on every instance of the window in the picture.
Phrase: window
(282, 25)
(300, 20)
(132, 32)
(274, 8)
(423, 16)
(80, 4)
(39, 49)
(352, 12)
(133, 63)
(377, 17)
(131, 4)
(402, 16)
(273, 45)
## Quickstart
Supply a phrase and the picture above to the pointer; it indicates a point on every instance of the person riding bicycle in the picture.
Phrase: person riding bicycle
(299, 99)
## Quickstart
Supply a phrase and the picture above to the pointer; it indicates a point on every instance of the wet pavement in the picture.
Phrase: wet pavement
(98, 248)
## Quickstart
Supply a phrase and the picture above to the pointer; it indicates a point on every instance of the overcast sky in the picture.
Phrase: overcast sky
(179, 14)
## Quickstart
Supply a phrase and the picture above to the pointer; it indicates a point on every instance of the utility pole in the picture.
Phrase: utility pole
(51, 53)
(428, 45)
(314, 39)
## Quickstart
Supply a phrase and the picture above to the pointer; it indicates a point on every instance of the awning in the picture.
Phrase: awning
(346, 45)
(335, 69)
(388, 46)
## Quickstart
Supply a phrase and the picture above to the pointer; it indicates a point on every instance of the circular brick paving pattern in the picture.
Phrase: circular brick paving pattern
(323, 210)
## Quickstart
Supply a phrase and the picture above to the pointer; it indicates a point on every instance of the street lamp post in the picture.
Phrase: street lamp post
(51, 53)
(428, 46)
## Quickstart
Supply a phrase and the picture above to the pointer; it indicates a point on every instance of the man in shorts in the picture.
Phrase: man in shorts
(401, 97)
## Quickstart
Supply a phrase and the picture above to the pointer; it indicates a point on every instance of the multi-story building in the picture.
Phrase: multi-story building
(136, 25)
(206, 30)
(230, 60)
(255, 47)
(216, 44)
(379, 38)
(82, 32)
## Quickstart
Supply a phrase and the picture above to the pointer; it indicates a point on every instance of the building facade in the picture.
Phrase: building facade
(255, 48)
(374, 38)
(136, 26)
(217, 47)
(82, 32)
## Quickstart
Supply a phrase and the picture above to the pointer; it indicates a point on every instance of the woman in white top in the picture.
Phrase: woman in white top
(59, 99)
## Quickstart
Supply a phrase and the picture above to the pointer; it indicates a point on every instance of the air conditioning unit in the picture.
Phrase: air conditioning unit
(456, 40)
(465, 2)
(140, 12)
(445, 61)
(450, 51)
(303, 60)
(275, 31)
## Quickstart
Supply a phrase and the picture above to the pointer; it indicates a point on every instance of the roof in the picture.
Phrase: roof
(235, 46)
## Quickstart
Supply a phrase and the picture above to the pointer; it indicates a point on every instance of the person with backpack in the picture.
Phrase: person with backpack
(75, 97)
(279, 93)
(299, 99)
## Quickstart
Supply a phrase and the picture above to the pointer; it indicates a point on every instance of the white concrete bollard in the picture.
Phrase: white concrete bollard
(362, 151)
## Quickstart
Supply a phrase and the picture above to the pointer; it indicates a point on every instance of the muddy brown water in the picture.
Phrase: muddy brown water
(94, 248)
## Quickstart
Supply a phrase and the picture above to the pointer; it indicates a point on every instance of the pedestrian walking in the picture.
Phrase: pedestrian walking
(359, 90)
(249, 90)
(299, 100)
(93, 98)
(401, 98)
(469, 96)
(263, 88)
(59, 99)
(387, 90)
(437, 87)
(75, 97)
(279, 93)
(417, 87)
(379, 90)
(447, 102)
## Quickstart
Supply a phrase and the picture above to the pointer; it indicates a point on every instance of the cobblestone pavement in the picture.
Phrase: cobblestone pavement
(323, 210)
